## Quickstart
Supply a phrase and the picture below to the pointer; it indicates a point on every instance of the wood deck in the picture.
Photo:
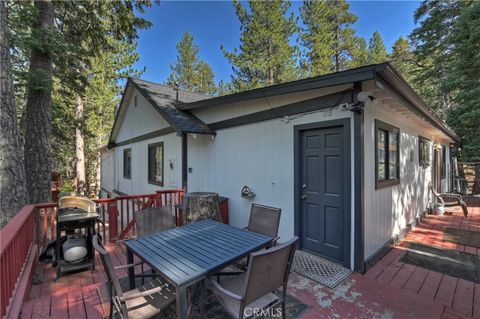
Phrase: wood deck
(457, 294)
(390, 288)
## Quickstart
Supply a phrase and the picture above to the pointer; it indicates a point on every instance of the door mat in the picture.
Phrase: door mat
(213, 309)
(318, 269)
(462, 237)
(445, 261)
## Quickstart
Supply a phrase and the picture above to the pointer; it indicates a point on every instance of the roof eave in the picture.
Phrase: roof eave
(327, 80)
(398, 83)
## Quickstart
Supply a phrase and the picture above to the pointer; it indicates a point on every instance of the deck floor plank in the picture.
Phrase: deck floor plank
(463, 300)
(59, 307)
(446, 290)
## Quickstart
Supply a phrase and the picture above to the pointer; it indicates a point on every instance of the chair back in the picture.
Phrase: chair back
(153, 220)
(268, 270)
(107, 264)
(264, 220)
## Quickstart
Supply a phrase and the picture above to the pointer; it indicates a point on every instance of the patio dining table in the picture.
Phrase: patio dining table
(188, 254)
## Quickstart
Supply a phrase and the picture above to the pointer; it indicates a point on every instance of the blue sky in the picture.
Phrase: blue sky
(215, 23)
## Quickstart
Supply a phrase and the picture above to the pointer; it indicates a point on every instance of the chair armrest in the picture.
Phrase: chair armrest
(128, 265)
(143, 293)
(457, 196)
(224, 291)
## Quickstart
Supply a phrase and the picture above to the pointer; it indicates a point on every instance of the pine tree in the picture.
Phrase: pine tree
(377, 52)
(191, 73)
(463, 81)
(265, 56)
(206, 79)
(432, 50)
(328, 35)
(183, 72)
(402, 57)
(317, 36)
(359, 54)
(61, 41)
(13, 188)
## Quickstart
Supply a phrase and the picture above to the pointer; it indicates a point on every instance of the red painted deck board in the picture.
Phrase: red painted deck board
(460, 296)
(463, 300)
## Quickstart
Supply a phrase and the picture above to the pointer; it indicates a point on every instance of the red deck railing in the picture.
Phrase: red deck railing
(34, 227)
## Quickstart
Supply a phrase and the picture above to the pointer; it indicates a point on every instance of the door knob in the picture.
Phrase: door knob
(304, 186)
(303, 197)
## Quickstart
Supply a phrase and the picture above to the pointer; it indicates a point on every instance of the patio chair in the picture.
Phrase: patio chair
(143, 302)
(268, 270)
(263, 220)
(450, 200)
(153, 220)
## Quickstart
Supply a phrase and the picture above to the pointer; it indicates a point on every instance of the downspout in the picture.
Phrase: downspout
(184, 162)
(358, 151)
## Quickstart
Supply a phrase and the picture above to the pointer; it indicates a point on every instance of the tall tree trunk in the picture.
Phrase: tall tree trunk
(13, 187)
(79, 148)
(38, 110)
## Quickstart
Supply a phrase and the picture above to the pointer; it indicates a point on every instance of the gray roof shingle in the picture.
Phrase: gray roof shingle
(163, 99)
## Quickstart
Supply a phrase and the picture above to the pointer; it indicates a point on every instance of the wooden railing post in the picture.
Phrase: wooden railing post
(112, 221)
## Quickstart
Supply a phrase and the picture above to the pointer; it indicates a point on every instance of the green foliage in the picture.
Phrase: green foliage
(67, 186)
(328, 35)
(377, 52)
(93, 47)
(432, 50)
(191, 73)
(463, 81)
(359, 53)
(402, 57)
(265, 56)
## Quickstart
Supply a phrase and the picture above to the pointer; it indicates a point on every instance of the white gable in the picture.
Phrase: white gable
(137, 120)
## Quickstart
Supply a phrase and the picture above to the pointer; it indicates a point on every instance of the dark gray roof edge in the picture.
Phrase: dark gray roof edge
(396, 80)
(199, 95)
(338, 78)
(110, 142)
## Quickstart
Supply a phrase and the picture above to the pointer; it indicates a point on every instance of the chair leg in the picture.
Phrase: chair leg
(284, 308)
(465, 211)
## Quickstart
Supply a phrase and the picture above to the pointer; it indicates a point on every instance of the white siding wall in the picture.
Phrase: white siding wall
(138, 184)
(391, 209)
(107, 170)
(258, 155)
(139, 120)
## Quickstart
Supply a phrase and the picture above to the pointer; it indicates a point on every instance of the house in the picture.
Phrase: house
(348, 156)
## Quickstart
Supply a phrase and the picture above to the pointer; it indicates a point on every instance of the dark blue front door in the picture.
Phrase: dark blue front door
(322, 178)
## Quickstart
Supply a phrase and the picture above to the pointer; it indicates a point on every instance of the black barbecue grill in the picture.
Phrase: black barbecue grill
(76, 218)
